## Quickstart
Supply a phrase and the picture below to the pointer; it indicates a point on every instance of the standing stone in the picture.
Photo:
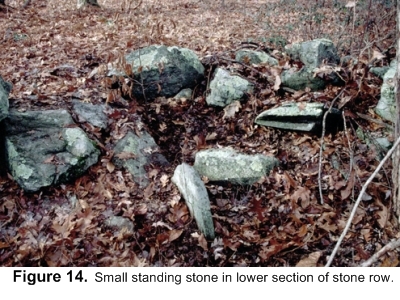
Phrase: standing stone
(195, 194)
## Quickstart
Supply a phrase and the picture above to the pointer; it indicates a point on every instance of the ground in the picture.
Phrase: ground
(279, 221)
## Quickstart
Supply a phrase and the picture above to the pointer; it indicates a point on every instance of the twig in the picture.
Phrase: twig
(322, 145)
(390, 246)
(244, 65)
(349, 144)
(353, 212)
(368, 118)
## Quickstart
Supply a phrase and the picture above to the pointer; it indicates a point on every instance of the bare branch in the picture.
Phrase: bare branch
(353, 212)
(374, 258)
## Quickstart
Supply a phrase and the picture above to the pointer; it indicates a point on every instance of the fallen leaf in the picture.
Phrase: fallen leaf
(110, 167)
(174, 234)
(203, 242)
(231, 109)
(310, 261)
(164, 180)
(277, 82)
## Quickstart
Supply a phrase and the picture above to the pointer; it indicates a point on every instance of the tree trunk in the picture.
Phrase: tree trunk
(396, 156)
(82, 3)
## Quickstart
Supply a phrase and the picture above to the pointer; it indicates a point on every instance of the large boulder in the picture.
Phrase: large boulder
(195, 194)
(46, 148)
(137, 152)
(5, 89)
(386, 107)
(226, 165)
(226, 88)
(163, 71)
(312, 54)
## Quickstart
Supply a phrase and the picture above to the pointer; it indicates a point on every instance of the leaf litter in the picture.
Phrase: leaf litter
(278, 221)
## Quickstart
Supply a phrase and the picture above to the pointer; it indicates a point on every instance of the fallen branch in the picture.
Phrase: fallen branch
(322, 145)
(353, 212)
(391, 246)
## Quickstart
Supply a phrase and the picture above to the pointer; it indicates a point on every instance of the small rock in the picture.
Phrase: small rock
(226, 88)
(227, 165)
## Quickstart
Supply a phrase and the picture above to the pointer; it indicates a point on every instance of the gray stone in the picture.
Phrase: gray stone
(227, 165)
(384, 143)
(164, 71)
(379, 71)
(135, 152)
(299, 80)
(119, 223)
(42, 149)
(299, 117)
(5, 89)
(185, 93)
(255, 57)
(386, 107)
(312, 53)
(226, 88)
(195, 194)
(93, 114)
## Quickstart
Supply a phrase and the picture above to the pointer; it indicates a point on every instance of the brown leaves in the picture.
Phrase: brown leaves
(277, 221)
(310, 261)
(231, 109)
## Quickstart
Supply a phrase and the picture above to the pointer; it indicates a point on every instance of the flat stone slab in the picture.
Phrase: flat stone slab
(304, 116)
(227, 165)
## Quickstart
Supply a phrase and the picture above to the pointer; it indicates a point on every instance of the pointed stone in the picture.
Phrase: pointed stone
(194, 191)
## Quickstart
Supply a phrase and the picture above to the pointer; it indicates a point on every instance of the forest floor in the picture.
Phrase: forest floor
(278, 221)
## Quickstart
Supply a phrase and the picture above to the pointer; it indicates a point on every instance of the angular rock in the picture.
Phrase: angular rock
(300, 117)
(43, 148)
(312, 53)
(93, 114)
(164, 71)
(226, 88)
(135, 152)
(299, 80)
(386, 107)
(195, 194)
(255, 57)
(227, 165)
(5, 89)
